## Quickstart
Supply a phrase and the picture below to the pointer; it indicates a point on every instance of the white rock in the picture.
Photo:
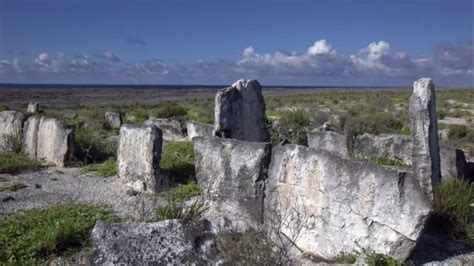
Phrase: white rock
(11, 123)
(196, 129)
(30, 136)
(55, 142)
(395, 147)
(113, 119)
(171, 128)
(32, 108)
(329, 141)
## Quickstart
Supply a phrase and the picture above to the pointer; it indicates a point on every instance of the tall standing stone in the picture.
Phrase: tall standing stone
(240, 112)
(33, 108)
(424, 132)
(139, 155)
(11, 123)
(30, 136)
(54, 142)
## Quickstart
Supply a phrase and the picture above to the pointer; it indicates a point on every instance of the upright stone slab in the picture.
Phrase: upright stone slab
(171, 128)
(30, 136)
(453, 163)
(240, 112)
(196, 129)
(113, 119)
(329, 141)
(32, 108)
(231, 174)
(55, 142)
(424, 132)
(139, 155)
(11, 123)
(396, 147)
(328, 205)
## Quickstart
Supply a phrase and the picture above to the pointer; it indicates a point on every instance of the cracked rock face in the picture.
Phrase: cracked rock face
(10, 125)
(329, 141)
(171, 242)
(30, 136)
(424, 132)
(231, 175)
(384, 145)
(113, 119)
(240, 112)
(54, 141)
(171, 128)
(138, 157)
(195, 129)
(328, 205)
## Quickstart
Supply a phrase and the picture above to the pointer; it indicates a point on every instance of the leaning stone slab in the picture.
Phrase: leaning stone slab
(171, 128)
(138, 157)
(328, 205)
(171, 242)
(113, 119)
(30, 136)
(391, 146)
(329, 141)
(196, 129)
(231, 174)
(240, 112)
(32, 108)
(424, 133)
(11, 123)
(54, 142)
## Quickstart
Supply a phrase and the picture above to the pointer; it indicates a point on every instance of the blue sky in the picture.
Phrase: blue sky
(284, 42)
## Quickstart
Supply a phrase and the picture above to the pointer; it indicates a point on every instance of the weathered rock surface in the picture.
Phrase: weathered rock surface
(113, 120)
(231, 174)
(138, 157)
(171, 242)
(328, 141)
(171, 128)
(11, 123)
(453, 163)
(424, 132)
(391, 146)
(32, 108)
(240, 112)
(30, 136)
(335, 205)
(196, 129)
(54, 142)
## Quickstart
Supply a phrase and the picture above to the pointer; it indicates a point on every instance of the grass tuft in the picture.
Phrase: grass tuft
(12, 187)
(175, 209)
(384, 161)
(183, 192)
(107, 168)
(177, 160)
(14, 163)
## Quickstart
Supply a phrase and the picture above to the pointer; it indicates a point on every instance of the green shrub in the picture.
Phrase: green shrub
(441, 113)
(170, 109)
(389, 162)
(139, 114)
(376, 259)
(247, 248)
(183, 192)
(12, 187)
(451, 201)
(180, 210)
(14, 163)
(350, 258)
(470, 235)
(177, 161)
(88, 143)
(461, 132)
(296, 122)
(107, 168)
(31, 237)
(12, 143)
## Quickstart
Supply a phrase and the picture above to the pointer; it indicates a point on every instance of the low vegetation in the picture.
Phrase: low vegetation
(12, 187)
(177, 161)
(183, 192)
(14, 163)
(247, 248)
(389, 162)
(176, 209)
(107, 168)
(32, 237)
(296, 122)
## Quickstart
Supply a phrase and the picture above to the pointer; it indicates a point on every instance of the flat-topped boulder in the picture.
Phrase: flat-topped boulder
(138, 157)
(330, 141)
(172, 129)
(113, 119)
(231, 174)
(240, 112)
(196, 129)
(336, 206)
(395, 147)
(11, 123)
(55, 143)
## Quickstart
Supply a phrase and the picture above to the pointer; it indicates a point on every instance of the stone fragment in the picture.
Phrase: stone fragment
(424, 132)
(240, 112)
(231, 174)
(395, 147)
(138, 157)
(196, 129)
(55, 143)
(11, 123)
(453, 163)
(330, 141)
(32, 108)
(70, 115)
(328, 205)
(170, 242)
(171, 128)
(30, 136)
(113, 120)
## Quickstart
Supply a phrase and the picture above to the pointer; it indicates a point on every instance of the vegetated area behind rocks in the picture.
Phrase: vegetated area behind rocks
(90, 180)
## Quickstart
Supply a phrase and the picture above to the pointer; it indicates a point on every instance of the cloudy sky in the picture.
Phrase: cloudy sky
(279, 42)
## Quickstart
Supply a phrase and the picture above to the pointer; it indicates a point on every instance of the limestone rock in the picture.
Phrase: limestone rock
(171, 128)
(336, 205)
(70, 115)
(240, 112)
(30, 136)
(329, 141)
(391, 146)
(113, 120)
(138, 157)
(11, 123)
(196, 129)
(54, 142)
(424, 132)
(453, 163)
(171, 242)
(33, 108)
(231, 175)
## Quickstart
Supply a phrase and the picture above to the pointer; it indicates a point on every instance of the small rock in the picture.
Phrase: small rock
(171, 128)
(113, 120)
(196, 129)
(32, 108)
(132, 192)
(37, 186)
(70, 115)
(8, 198)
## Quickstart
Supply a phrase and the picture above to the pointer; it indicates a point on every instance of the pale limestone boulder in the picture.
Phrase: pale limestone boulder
(55, 143)
(396, 147)
(328, 205)
(171, 128)
(32, 108)
(11, 123)
(424, 132)
(453, 163)
(240, 112)
(138, 157)
(330, 141)
(231, 175)
(113, 119)
(196, 129)
(30, 136)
